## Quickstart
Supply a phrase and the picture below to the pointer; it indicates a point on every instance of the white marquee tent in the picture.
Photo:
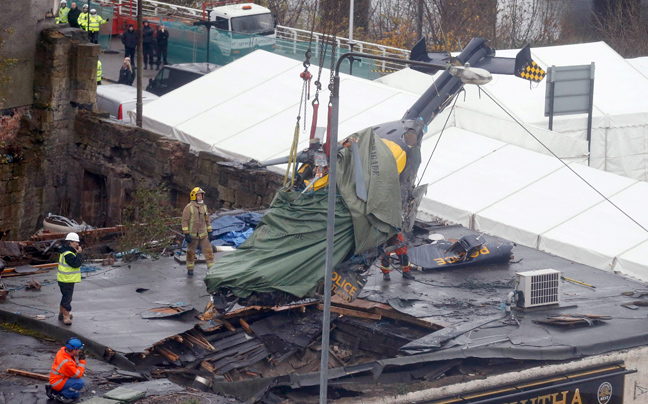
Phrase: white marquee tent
(508, 189)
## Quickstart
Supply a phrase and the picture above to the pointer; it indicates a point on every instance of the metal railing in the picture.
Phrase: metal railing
(295, 41)
(290, 41)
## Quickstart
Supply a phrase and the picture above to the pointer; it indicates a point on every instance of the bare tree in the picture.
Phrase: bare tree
(621, 25)
(529, 21)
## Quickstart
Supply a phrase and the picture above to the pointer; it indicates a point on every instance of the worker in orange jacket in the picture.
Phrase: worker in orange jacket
(65, 377)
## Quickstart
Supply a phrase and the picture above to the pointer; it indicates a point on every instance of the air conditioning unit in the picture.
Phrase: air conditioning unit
(538, 288)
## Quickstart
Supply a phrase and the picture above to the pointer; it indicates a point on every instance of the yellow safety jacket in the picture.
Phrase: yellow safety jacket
(83, 20)
(66, 273)
(195, 220)
(94, 22)
(99, 71)
(62, 16)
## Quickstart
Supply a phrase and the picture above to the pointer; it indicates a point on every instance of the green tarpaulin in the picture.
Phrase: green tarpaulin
(286, 252)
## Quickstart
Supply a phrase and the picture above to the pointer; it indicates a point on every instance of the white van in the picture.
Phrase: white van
(242, 28)
(118, 99)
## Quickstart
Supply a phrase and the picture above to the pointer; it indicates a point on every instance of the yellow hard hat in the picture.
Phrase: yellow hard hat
(194, 192)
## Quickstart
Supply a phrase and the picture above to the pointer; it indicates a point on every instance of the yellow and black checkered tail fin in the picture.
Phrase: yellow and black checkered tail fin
(526, 68)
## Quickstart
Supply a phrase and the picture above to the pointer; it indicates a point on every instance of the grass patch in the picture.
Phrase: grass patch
(15, 328)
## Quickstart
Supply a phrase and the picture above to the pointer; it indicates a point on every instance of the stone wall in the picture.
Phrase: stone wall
(20, 26)
(39, 137)
(126, 157)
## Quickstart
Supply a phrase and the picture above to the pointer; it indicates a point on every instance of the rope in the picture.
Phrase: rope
(565, 164)
(437, 142)
(292, 159)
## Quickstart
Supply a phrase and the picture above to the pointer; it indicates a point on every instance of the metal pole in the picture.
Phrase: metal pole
(140, 44)
(330, 234)
(552, 87)
(589, 116)
(351, 42)
(208, 31)
(330, 218)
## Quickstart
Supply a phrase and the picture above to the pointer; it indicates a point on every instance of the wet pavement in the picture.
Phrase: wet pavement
(108, 303)
(111, 63)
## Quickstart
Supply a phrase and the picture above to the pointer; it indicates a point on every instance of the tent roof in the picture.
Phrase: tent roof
(483, 183)
(248, 107)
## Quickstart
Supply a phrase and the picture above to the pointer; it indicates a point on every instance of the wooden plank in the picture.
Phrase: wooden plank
(207, 366)
(24, 274)
(168, 354)
(352, 313)
(8, 270)
(246, 326)
(200, 337)
(50, 265)
(25, 373)
(228, 325)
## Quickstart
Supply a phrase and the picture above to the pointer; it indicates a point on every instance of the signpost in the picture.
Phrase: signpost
(570, 90)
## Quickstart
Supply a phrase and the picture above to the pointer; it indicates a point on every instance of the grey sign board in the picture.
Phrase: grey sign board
(569, 90)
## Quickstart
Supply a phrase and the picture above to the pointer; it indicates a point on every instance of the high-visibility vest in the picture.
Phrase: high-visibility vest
(94, 22)
(66, 273)
(65, 367)
(63, 16)
(83, 20)
(99, 71)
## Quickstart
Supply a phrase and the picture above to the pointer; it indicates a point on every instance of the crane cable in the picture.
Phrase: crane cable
(305, 95)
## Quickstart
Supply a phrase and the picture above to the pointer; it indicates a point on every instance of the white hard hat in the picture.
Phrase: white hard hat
(63, 2)
(72, 237)
(85, 6)
(93, 11)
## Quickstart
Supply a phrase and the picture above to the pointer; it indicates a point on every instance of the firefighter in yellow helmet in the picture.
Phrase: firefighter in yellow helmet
(197, 229)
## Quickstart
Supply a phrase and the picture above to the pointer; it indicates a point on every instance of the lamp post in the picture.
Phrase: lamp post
(138, 103)
(208, 24)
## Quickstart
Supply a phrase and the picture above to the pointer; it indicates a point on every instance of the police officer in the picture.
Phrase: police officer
(94, 21)
(63, 13)
(99, 71)
(83, 18)
(69, 273)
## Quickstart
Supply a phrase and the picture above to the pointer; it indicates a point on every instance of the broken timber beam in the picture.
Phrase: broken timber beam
(351, 312)
(25, 373)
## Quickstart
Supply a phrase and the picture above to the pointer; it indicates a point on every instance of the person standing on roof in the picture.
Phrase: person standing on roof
(197, 229)
(63, 13)
(73, 16)
(403, 258)
(94, 22)
(147, 44)
(69, 273)
(83, 18)
(129, 39)
(162, 38)
(65, 381)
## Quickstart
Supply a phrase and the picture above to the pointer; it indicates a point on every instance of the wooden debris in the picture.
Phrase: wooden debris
(50, 265)
(246, 326)
(228, 325)
(207, 366)
(25, 373)
(168, 354)
(23, 274)
(351, 312)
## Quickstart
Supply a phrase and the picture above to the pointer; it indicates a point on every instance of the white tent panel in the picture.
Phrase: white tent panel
(634, 262)
(456, 149)
(547, 203)
(486, 181)
(218, 87)
(602, 232)
(408, 80)
(641, 64)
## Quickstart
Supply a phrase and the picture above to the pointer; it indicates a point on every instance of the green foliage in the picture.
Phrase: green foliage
(191, 401)
(146, 223)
